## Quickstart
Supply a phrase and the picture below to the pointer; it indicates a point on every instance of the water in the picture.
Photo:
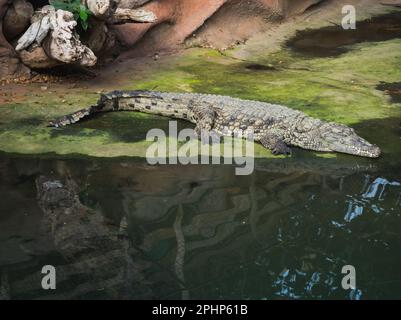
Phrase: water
(334, 40)
(122, 229)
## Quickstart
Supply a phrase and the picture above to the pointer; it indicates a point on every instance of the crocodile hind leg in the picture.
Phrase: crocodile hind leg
(275, 143)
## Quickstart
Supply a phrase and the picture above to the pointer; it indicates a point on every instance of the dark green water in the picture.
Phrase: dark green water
(283, 232)
(121, 229)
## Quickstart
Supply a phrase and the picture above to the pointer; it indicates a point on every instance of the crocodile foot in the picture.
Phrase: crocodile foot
(281, 149)
(276, 144)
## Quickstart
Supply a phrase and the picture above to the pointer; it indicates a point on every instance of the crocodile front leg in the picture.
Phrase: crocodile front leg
(205, 117)
(275, 143)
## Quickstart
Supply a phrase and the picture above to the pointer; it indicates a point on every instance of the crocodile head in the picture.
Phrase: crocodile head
(334, 137)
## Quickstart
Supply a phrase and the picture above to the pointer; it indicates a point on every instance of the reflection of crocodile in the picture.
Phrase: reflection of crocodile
(325, 167)
(99, 260)
(275, 126)
(202, 228)
(92, 249)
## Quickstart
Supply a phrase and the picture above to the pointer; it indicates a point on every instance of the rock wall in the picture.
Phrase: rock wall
(288, 8)
(212, 23)
(9, 62)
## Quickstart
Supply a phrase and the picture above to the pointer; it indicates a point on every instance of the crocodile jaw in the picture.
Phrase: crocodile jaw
(364, 150)
(334, 137)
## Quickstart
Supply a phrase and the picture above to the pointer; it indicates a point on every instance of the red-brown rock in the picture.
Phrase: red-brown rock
(227, 21)
(17, 19)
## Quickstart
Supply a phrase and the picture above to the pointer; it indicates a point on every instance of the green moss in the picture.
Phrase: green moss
(338, 89)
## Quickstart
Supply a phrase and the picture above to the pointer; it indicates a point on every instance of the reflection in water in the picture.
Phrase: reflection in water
(375, 191)
(121, 229)
(180, 256)
(381, 184)
(97, 257)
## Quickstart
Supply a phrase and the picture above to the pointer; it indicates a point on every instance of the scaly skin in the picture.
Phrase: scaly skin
(275, 126)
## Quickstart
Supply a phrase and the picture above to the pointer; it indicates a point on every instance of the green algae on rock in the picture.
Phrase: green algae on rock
(341, 89)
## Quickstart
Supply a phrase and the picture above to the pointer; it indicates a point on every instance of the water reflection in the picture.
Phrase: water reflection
(123, 229)
(372, 198)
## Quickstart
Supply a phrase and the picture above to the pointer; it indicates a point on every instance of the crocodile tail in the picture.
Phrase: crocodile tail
(72, 118)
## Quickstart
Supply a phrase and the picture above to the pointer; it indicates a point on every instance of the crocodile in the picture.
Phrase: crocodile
(276, 127)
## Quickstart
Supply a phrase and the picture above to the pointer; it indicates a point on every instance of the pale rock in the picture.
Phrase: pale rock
(133, 15)
(101, 9)
(62, 42)
(131, 4)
